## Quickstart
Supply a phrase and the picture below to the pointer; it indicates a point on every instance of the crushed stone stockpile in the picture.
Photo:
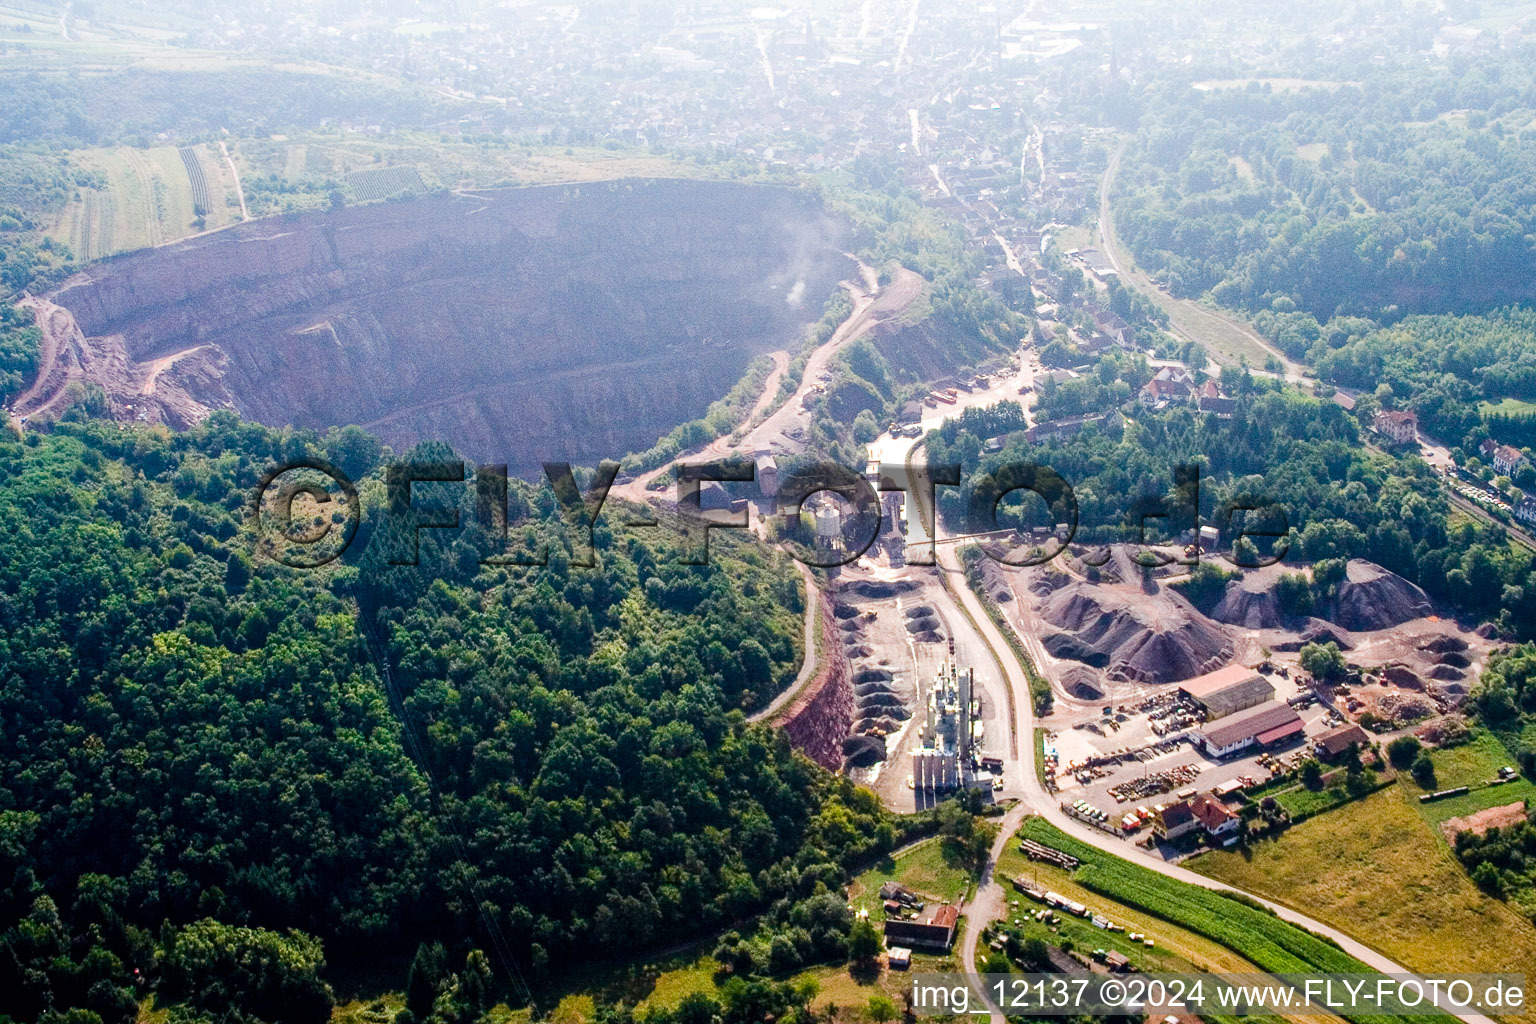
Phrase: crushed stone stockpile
(1082, 683)
(1149, 638)
(1318, 632)
(1372, 598)
(1250, 602)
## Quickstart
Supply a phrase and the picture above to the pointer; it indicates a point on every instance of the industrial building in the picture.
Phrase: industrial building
(1336, 741)
(1227, 691)
(1267, 725)
(943, 757)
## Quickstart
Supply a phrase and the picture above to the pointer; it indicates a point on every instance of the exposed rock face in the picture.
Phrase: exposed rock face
(1373, 598)
(520, 325)
(820, 718)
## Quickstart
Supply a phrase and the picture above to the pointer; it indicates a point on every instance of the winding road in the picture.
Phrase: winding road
(1021, 779)
(989, 896)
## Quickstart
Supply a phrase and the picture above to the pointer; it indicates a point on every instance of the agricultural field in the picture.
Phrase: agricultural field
(930, 868)
(147, 197)
(1378, 870)
(371, 183)
(1171, 940)
(297, 172)
(1265, 940)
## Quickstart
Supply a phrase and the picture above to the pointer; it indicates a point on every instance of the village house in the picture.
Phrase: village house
(1175, 821)
(1215, 817)
(1397, 426)
(1172, 384)
(1210, 399)
(1336, 741)
(1507, 460)
(938, 932)
(1344, 400)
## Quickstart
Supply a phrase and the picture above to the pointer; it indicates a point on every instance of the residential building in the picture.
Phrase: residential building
(1215, 817)
(1210, 399)
(767, 475)
(1171, 384)
(1174, 821)
(1507, 460)
(1335, 741)
(1397, 426)
(938, 932)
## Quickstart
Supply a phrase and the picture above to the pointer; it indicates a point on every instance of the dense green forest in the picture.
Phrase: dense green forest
(214, 761)
(1299, 452)
(1409, 190)
(1443, 368)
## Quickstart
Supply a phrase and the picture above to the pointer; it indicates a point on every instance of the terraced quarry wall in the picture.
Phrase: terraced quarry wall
(520, 325)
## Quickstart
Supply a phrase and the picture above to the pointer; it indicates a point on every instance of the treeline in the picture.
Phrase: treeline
(1505, 701)
(132, 106)
(1407, 192)
(370, 754)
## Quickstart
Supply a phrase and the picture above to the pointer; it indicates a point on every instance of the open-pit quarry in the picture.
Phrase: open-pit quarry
(519, 325)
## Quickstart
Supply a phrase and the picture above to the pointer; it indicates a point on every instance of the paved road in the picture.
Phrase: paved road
(1020, 777)
(809, 665)
(1046, 805)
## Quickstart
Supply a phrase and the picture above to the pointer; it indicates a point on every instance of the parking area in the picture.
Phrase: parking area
(1140, 756)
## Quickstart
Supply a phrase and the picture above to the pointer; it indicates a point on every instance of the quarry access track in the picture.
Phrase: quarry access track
(153, 368)
(809, 664)
(41, 394)
(870, 308)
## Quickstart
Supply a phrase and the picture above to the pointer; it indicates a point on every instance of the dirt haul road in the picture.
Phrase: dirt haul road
(869, 310)
(44, 390)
